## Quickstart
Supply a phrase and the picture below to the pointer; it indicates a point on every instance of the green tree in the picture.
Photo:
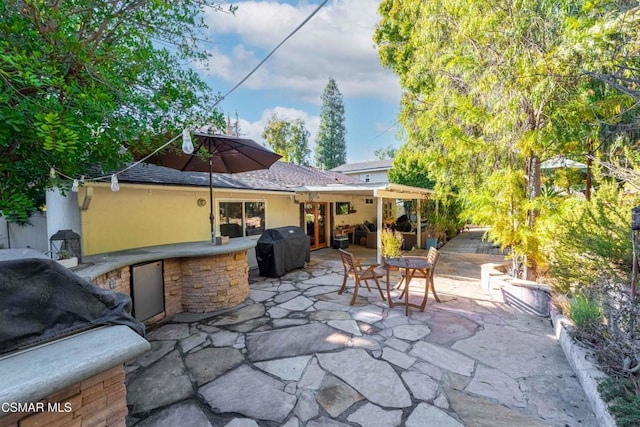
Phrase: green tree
(300, 143)
(288, 138)
(609, 40)
(331, 147)
(410, 168)
(491, 89)
(385, 153)
(81, 80)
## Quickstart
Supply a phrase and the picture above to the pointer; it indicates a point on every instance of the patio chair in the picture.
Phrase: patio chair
(353, 268)
(432, 257)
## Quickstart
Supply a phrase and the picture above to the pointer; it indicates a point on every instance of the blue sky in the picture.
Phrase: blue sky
(337, 42)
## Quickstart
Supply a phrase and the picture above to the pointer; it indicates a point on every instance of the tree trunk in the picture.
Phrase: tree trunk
(534, 190)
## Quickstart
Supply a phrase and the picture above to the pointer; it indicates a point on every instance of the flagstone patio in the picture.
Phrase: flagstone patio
(296, 354)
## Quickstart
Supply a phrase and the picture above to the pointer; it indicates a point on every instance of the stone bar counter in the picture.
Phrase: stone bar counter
(198, 277)
(78, 380)
(75, 380)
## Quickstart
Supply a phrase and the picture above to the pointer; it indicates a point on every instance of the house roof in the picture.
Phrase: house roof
(370, 166)
(281, 176)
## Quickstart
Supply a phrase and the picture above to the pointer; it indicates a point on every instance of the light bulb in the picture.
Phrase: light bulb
(75, 186)
(187, 145)
(52, 173)
(114, 183)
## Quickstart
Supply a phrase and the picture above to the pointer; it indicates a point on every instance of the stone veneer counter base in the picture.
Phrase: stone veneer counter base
(72, 371)
(198, 277)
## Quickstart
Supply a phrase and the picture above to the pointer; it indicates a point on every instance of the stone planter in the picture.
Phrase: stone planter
(68, 262)
(531, 297)
(527, 296)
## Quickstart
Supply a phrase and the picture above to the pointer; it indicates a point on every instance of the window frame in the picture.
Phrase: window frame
(243, 203)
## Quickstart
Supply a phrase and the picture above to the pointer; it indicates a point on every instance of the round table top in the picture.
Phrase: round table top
(408, 262)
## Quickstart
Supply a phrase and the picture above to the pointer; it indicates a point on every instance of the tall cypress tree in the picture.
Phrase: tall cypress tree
(331, 147)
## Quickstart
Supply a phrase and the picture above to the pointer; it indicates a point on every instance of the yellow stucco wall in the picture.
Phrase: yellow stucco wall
(145, 215)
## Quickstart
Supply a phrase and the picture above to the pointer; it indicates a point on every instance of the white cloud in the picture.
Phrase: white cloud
(336, 42)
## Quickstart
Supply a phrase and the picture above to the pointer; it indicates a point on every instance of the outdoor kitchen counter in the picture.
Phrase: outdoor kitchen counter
(68, 373)
(197, 277)
(104, 263)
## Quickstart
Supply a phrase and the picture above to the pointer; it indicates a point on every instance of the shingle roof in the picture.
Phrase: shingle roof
(280, 176)
(364, 166)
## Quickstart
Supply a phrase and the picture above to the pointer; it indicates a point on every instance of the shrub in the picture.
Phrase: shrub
(585, 312)
(592, 239)
(391, 243)
(614, 343)
(623, 398)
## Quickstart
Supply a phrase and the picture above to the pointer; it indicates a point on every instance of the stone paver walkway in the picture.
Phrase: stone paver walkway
(296, 354)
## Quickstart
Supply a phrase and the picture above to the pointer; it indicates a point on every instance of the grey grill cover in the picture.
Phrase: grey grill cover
(40, 300)
(282, 249)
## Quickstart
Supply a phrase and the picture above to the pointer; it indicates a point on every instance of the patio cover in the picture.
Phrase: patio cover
(376, 190)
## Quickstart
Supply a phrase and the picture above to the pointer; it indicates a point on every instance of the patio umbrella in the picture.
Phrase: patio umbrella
(562, 162)
(219, 154)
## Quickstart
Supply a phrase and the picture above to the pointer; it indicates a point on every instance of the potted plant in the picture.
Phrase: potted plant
(391, 243)
(431, 237)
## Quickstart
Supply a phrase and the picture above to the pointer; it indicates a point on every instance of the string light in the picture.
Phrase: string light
(53, 172)
(114, 183)
(75, 186)
(187, 145)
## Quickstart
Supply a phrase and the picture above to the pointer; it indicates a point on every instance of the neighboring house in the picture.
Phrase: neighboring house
(371, 171)
(157, 205)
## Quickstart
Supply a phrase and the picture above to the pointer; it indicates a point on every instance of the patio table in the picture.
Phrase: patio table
(411, 265)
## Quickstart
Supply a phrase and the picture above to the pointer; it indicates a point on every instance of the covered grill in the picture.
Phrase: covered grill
(282, 249)
(41, 301)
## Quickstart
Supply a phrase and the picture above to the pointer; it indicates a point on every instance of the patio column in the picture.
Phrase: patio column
(379, 228)
(419, 226)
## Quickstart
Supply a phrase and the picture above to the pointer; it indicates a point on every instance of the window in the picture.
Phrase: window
(367, 177)
(343, 208)
(254, 218)
(368, 201)
(238, 219)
